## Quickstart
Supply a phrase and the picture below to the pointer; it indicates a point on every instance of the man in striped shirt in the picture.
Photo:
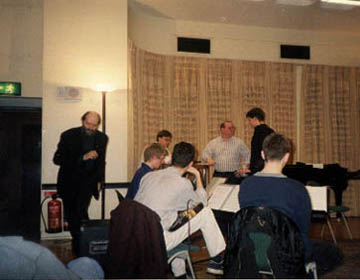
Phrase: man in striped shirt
(227, 153)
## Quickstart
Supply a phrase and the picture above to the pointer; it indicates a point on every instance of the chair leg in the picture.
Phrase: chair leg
(322, 230)
(184, 254)
(311, 267)
(331, 230)
(190, 267)
(346, 225)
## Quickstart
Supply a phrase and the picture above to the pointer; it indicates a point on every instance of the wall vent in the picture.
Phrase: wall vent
(193, 45)
(292, 51)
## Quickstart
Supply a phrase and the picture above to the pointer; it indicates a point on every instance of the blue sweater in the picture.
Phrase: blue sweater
(135, 183)
(286, 195)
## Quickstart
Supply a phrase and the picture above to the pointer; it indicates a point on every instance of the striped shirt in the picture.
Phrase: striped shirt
(227, 154)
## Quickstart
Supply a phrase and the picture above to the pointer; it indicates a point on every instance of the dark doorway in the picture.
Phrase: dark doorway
(20, 169)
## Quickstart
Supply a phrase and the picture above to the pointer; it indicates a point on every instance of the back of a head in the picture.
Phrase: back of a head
(163, 133)
(155, 149)
(86, 268)
(256, 113)
(275, 146)
(183, 154)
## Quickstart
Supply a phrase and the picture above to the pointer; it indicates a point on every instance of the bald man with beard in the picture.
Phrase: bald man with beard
(81, 157)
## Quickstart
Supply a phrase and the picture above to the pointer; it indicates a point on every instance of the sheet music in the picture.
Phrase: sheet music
(318, 165)
(215, 181)
(318, 197)
(232, 203)
(225, 197)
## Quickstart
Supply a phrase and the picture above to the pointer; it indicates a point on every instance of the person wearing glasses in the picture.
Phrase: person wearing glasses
(154, 156)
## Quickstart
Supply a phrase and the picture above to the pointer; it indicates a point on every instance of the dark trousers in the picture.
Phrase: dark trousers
(76, 203)
(223, 218)
(223, 174)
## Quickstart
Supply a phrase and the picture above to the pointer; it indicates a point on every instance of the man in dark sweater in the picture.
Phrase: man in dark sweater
(270, 188)
(256, 118)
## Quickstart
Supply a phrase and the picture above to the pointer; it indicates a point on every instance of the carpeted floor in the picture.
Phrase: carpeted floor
(350, 268)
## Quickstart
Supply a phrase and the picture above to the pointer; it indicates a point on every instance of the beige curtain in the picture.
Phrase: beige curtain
(191, 96)
(330, 121)
(148, 101)
(218, 97)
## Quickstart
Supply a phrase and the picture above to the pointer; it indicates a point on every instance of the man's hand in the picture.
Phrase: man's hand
(210, 161)
(194, 171)
(241, 172)
(197, 175)
(91, 155)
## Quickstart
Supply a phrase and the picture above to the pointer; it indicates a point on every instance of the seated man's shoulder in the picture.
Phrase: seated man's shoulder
(294, 183)
(237, 140)
(279, 181)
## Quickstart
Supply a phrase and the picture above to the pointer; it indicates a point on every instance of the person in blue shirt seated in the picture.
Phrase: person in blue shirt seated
(154, 156)
(271, 188)
(23, 259)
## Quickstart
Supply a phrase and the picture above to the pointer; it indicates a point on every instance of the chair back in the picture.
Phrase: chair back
(261, 243)
(119, 196)
(263, 239)
(136, 243)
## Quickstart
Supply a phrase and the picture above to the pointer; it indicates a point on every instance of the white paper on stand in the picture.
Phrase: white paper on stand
(225, 198)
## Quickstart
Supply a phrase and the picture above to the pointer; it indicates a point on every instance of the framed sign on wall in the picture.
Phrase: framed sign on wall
(10, 88)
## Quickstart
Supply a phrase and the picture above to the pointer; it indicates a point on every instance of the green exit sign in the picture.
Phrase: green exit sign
(10, 88)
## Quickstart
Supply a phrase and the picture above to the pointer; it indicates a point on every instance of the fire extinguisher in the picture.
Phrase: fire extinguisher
(54, 223)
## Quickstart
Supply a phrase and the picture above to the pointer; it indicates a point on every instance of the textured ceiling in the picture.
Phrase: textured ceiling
(304, 15)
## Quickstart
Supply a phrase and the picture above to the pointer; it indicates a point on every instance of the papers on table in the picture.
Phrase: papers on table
(225, 197)
(215, 181)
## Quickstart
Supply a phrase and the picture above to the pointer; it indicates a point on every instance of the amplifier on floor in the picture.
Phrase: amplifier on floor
(94, 239)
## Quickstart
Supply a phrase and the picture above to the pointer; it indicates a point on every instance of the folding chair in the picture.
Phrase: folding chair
(182, 251)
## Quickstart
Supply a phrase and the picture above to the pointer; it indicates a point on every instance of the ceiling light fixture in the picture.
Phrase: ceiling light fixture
(343, 2)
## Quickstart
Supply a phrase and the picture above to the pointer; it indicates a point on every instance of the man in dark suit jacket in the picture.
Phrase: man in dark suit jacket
(81, 156)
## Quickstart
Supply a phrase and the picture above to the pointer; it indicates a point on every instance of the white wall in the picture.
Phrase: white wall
(159, 35)
(85, 46)
(21, 44)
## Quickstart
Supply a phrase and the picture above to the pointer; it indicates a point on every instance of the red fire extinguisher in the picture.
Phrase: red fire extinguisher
(54, 215)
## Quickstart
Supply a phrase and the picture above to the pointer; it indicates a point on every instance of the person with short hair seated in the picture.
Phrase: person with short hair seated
(154, 156)
(271, 188)
(22, 259)
(167, 192)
